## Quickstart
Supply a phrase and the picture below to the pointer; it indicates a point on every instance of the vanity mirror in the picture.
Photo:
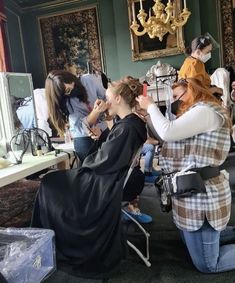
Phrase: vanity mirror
(17, 103)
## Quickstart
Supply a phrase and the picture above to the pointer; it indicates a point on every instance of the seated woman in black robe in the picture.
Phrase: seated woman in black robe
(83, 206)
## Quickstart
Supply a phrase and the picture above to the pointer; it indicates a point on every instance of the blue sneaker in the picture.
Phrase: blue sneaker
(138, 216)
(150, 179)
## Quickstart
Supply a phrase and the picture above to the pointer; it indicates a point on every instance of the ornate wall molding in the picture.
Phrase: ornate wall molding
(228, 32)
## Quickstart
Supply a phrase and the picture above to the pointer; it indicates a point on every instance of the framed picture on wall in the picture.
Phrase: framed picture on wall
(143, 47)
(70, 40)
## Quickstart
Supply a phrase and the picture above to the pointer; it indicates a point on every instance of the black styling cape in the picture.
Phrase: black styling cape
(83, 205)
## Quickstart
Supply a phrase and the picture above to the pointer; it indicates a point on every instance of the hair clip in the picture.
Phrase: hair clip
(202, 40)
(182, 81)
(50, 77)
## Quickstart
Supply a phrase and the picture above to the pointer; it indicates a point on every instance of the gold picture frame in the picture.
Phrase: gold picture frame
(142, 47)
(71, 39)
(227, 13)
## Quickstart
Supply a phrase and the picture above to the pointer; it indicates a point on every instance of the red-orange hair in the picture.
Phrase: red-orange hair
(197, 93)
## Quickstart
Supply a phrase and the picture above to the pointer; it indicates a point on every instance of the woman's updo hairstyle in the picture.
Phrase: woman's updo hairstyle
(198, 43)
(129, 88)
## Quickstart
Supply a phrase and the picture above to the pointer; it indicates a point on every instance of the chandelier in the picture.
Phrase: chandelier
(163, 20)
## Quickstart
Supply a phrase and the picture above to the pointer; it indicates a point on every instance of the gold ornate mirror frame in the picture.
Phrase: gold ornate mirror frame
(143, 47)
(227, 12)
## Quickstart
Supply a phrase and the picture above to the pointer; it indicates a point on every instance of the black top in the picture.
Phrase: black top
(83, 205)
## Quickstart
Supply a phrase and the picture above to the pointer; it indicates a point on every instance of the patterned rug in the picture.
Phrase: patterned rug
(16, 203)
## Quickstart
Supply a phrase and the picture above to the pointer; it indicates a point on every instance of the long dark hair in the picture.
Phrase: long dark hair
(56, 98)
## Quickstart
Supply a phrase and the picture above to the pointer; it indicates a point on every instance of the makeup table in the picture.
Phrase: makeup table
(30, 165)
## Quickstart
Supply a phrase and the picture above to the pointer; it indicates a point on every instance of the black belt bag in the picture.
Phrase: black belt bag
(186, 184)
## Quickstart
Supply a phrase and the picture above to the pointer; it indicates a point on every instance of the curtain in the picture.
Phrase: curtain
(4, 55)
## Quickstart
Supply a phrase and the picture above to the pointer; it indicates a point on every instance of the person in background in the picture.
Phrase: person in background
(148, 151)
(232, 95)
(42, 110)
(83, 206)
(93, 84)
(198, 140)
(25, 112)
(233, 91)
(194, 65)
(70, 104)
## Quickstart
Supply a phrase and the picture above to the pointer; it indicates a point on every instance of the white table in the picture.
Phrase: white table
(30, 165)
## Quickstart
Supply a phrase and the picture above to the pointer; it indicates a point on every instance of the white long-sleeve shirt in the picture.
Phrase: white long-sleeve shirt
(198, 119)
(42, 110)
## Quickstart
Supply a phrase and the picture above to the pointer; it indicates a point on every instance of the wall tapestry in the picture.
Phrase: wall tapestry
(71, 40)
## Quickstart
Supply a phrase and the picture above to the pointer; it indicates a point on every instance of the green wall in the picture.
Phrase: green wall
(15, 38)
(108, 34)
(139, 68)
(115, 37)
(208, 11)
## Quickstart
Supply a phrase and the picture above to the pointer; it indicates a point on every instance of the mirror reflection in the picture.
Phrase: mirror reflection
(22, 102)
(17, 101)
(31, 111)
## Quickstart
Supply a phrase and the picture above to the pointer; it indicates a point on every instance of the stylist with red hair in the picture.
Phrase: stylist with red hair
(198, 140)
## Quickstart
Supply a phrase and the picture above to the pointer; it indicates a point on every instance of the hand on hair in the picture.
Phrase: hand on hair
(144, 101)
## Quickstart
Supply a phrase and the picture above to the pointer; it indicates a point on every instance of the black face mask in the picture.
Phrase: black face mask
(175, 106)
(74, 92)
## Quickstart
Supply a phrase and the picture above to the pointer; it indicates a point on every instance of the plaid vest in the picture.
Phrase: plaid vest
(206, 149)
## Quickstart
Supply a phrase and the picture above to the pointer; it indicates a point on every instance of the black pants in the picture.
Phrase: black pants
(134, 185)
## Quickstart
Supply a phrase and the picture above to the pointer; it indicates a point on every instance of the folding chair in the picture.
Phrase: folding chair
(146, 257)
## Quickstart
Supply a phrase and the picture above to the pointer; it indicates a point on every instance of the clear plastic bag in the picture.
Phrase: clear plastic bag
(27, 255)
